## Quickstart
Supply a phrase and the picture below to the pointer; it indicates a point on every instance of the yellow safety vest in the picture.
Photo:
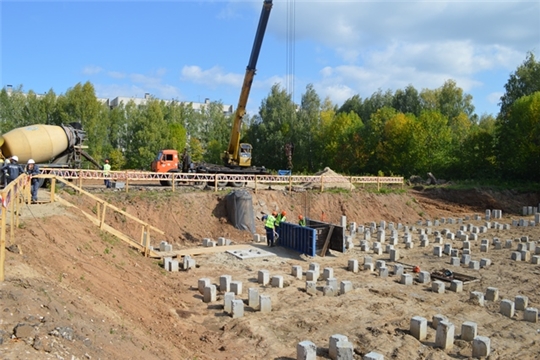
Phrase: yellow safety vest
(270, 222)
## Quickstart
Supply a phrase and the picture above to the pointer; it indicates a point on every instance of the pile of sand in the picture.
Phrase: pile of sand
(331, 180)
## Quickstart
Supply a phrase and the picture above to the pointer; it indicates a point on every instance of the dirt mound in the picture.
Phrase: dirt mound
(332, 180)
(76, 292)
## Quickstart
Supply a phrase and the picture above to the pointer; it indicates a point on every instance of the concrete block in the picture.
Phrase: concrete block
(481, 347)
(406, 279)
(237, 309)
(332, 282)
(508, 244)
(328, 273)
(253, 298)
(485, 262)
(236, 287)
(173, 265)
(398, 270)
(475, 265)
(372, 355)
(477, 298)
(209, 294)
(227, 302)
(436, 319)
(306, 350)
(456, 286)
(263, 277)
(418, 327)
(166, 261)
(469, 330)
(531, 315)
(507, 308)
(257, 238)
(492, 294)
(277, 281)
(312, 275)
(516, 256)
(424, 277)
(297, 272)
(369, 267)
(332, 346)
(394, 255)
(465, 259)
(437, 287)
(223, 241)
(368, 260)
(484, 248)
(466, 252)
(345, 287)
(454, 253)
(383, 272)
(526, 255)
(447, 249)
(437, 251)
(444, 337)
(265, 303)
(202, 283)
(379, 264)
(455, 261)
(344, 350)
(225, 283)
(311, 287)
(329, 291)
(315, 267)
(409, 245)
(352, 265)
(535, 259)
(521, 302)
(188, 263)
(377, 251)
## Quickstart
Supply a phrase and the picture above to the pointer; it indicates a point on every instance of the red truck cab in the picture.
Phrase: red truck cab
(165, 161)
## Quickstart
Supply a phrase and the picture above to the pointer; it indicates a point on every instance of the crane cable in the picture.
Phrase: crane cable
(290, 48)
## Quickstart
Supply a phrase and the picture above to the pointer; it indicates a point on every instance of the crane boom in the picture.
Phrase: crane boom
(239, 155)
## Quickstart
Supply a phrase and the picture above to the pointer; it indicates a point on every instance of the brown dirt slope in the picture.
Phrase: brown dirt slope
(78, 293)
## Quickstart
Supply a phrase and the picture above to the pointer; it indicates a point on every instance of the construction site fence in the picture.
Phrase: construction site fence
(174, 179)
(11, 198)
(298, 238)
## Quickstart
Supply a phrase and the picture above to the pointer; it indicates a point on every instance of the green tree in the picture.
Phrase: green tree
(433, 139)
(519, 138)
(524, 81)
(407, 101)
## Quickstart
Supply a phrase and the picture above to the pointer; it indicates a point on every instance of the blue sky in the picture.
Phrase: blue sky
(192, 50)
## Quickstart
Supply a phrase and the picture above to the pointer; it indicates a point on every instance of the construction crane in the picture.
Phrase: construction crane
(239, 154)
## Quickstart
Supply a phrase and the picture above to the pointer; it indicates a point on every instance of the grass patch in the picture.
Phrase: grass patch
(494, 185)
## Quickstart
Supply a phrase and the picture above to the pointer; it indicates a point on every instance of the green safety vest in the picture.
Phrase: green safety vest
(302, 222)
(280, 219)
(270, 222)
(106, 169)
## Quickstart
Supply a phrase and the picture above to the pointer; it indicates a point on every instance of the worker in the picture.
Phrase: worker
(280, 219)
(32, 170)
(270, 226)
(12, 169)
(301, 220)
(106, 173)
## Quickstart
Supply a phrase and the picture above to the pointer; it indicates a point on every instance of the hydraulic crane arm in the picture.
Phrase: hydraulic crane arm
(240, 154)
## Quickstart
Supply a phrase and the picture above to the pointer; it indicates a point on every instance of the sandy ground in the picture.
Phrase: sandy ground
(76, 292)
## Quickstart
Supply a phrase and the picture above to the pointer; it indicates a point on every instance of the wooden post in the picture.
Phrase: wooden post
(53, 188)
(3, 239)
(147, 247)
(327, 241)
(127, 181)
(142, 235)
(378, 184)
(255, 184)
(322, 183)
(215, 183)
(173, 180)
(80, 180)
(18, 208)
(28, 193)
(12, 209)
(290, 183)
(103, 216)
(98, 209)
(350, 181)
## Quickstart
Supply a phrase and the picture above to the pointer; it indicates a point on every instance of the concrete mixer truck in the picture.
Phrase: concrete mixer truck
(49, 145)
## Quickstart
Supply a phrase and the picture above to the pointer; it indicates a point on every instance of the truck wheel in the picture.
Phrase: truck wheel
(165, 182)
(237, 184)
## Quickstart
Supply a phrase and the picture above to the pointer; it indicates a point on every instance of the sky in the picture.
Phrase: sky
(197, 50)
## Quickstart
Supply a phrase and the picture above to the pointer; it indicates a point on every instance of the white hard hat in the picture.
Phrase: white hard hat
(15, 158)
(31, 161)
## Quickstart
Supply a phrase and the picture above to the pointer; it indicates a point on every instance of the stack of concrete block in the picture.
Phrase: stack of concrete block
(188, 262)
(165, 246)
(208, 242)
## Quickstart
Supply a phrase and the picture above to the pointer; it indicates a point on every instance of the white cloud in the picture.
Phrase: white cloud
(91, 70)
(212, 77)
(116, 74)
(495, 97)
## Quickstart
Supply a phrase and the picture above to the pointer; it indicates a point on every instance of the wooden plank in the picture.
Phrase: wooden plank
(327, 241)
(200, 250)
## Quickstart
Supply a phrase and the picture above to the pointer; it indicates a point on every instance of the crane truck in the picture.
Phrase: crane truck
(237, 157)
(49, 145)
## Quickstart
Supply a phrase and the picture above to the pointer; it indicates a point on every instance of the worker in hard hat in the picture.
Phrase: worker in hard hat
(32, 170)
(12, 169)
(281, 218)
(301, 220)
(270, 226)
(106, 173)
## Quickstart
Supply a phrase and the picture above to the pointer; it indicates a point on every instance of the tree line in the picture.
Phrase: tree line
(406, 132)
